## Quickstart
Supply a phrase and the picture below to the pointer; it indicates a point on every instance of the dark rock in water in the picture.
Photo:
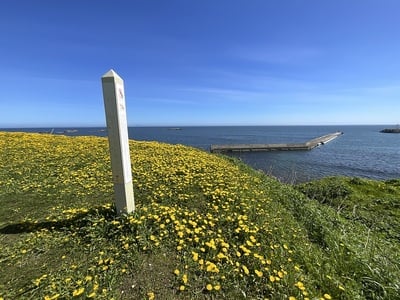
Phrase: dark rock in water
(391, 130)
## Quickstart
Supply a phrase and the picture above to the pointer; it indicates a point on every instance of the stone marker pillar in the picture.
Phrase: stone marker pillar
(117, 127)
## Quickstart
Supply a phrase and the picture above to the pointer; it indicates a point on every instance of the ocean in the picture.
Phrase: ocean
(362, 151)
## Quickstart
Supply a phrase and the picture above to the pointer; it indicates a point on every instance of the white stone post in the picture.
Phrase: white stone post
(117, 127)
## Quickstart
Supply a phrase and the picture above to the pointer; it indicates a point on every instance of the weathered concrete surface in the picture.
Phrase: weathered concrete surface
(276, 147)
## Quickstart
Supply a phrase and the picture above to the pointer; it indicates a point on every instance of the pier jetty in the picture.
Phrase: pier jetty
(276, 147)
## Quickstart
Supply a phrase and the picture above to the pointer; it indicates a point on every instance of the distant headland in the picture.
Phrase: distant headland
(391, 130)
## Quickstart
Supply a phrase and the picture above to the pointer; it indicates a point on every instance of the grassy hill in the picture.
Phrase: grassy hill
(205, 227)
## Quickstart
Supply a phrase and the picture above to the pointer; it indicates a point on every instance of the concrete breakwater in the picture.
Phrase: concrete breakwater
(276, 147)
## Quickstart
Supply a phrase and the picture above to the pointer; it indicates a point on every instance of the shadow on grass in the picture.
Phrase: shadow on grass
(77, 221)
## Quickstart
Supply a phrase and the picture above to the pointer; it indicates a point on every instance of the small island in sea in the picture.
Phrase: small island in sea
(391, 130)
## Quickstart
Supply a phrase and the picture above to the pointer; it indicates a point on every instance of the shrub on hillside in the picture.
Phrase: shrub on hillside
(327, 191)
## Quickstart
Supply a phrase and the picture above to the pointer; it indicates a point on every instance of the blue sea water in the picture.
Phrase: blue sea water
(362, 151)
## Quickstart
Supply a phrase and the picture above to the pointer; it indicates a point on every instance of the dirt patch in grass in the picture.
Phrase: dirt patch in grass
(153, 273)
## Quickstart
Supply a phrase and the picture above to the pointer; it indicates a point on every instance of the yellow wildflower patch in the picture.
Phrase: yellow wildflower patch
(200, 216)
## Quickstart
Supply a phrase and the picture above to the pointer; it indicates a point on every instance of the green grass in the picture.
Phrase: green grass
(205, 227)
(374, 204)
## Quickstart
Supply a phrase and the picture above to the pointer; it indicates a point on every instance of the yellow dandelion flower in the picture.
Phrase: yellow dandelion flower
(245, 269)
(185, 278)
(327, 296)
(258, 273)
(300, 285)
(92, 295)
(221, 255)
(272, 278)
(177, 272)
(211, 267)
(292, 298)
(182, 288)
(37, 281)
(195, 256)
(217, 287)
(209, 287)
(78, 292)
(150, 296)
(88, 278)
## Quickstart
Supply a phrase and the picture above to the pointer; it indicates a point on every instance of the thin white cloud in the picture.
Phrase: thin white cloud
(238, 94)
(255, 80)
(26, 76)
(384, 89)
(241, 87)
(166, 100)
(275, 54)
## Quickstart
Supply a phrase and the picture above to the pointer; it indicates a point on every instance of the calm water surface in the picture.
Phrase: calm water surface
(362, 151)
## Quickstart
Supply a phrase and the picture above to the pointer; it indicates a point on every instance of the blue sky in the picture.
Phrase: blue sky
(201, 62)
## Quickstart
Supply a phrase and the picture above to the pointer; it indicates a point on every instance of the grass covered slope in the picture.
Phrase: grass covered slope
(375, 204)
(204, 227)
